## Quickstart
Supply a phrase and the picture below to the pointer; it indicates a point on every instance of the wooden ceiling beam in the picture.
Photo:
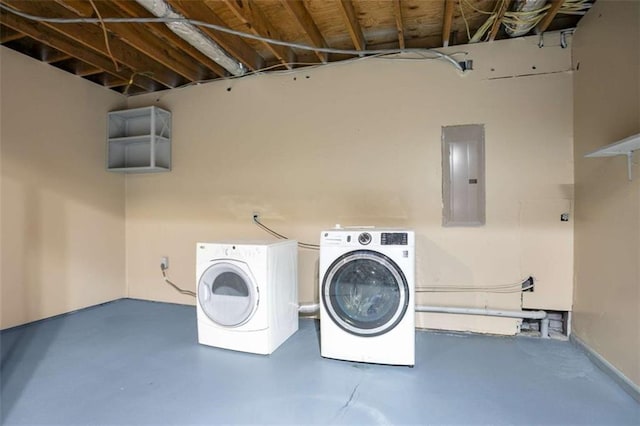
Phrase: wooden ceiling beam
(8, 35)
(92, 37)
(551, 13)
(50, 37)
(305, 21)
(109, 81)
(133, 9)
(496, 24)
(53, 56)
(352, 24)
(429, 42)
(114, 83)
(234, 45)
(128, 8)
(80, 8)
(447, 19)
(145, 42)
(397, 12)
(256, 23)
(84, 69)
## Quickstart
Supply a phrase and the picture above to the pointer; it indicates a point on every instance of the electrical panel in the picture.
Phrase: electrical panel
(463, 175)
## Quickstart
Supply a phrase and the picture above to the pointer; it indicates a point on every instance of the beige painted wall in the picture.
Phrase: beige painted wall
(359, 144)
(62, 215)
(607, 234)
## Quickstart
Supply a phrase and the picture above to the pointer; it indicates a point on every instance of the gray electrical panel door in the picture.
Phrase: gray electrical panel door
(463, 177)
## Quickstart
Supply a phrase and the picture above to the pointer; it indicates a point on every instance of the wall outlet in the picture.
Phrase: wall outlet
(164, 262)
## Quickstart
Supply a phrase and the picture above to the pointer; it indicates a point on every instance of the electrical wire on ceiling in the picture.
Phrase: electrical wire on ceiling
(484, 12)
(313, 65)
(133, 76)
(575, 7)
(307, 246)
(165, 20)
(106, 35)
(464, 18)
(520, 22)
(523, 285)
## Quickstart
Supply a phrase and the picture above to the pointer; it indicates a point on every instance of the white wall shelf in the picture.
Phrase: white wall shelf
(139, 140)
(625, 147)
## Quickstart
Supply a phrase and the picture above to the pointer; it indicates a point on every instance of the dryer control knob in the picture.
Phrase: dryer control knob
(364, 238)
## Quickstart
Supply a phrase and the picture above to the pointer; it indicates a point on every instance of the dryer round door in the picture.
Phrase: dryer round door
(365, 293)
(227, 294)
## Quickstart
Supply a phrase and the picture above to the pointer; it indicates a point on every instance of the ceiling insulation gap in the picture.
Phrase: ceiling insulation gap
(192, 35)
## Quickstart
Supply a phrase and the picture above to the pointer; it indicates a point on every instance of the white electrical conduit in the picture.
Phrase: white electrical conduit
(539, 315)
(309, 308)
(313, 308)
(193, 35)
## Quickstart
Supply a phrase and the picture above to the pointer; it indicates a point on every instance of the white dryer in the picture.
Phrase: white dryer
(247, 294)
(367, 284)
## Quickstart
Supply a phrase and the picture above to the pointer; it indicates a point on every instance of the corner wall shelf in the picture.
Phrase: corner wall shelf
(625, 146)
(139, 140)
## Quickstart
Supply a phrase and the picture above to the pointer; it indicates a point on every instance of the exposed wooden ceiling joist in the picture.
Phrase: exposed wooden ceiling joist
(551, 13)
(133, 9)
(144, 42)
(53, 56)
(110, 81)
(91, 36)
(83, 69)
(42, 33)
(397, 12)
(8, 35)
(232, 44)
(498, 21)
(303, 18)
(446, 22)
(149, 56)
(255, 22)
(352, 24)
(80, 8)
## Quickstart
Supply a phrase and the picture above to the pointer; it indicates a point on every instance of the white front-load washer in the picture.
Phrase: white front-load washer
(367, 284)
(247, 294)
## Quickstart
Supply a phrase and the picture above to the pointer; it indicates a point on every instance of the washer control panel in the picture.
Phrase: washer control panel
(394, 239)
(369, 238)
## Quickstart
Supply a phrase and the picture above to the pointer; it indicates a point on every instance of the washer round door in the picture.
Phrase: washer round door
(227, 295)
(365, 293)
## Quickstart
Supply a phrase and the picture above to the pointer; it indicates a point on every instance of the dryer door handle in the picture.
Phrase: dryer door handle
(207, 294)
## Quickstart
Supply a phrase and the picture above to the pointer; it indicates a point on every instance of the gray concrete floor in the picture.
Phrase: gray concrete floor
(137, 362)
